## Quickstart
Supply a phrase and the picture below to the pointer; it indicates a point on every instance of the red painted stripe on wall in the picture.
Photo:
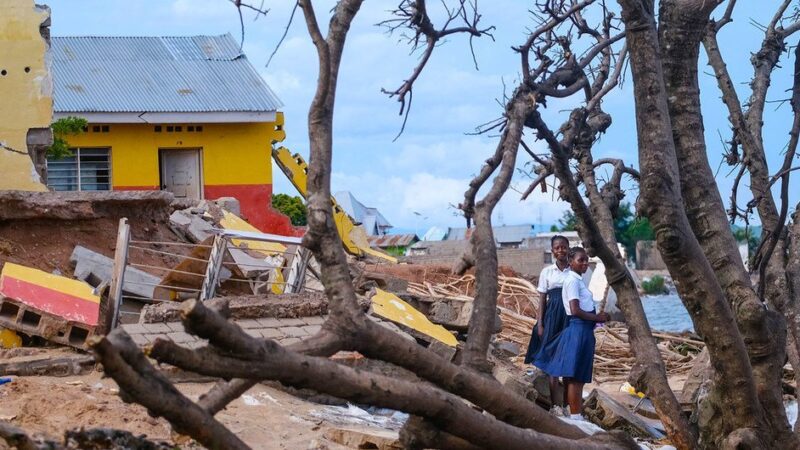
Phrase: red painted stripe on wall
(51, 301)
(256, 203)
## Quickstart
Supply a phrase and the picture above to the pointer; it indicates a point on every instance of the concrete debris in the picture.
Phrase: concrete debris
(447, 352)
(512, 378)
(392, 327)
(20, 317)
(352, 437)
(699, 374)
(229, 204)
(508, 349)
(56, 308)
(190, 226)
(94, 268)
(602, 409)
(540, 382)
(18, 205)
(391, 307)
(48, 365)
(248, 307)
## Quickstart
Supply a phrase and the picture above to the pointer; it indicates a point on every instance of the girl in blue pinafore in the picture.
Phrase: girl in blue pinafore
(550, 318)
(571, 355)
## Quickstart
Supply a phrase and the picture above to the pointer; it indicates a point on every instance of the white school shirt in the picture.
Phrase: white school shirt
(575, 288)
(551, 278)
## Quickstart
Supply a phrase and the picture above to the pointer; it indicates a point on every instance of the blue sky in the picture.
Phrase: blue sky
(427, 169)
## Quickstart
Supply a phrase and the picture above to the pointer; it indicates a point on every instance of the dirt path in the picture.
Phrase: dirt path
(264, 418)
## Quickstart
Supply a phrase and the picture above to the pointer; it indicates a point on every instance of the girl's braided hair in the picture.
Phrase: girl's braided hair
(575, 251)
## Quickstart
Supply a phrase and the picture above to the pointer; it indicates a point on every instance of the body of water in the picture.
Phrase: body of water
(666, 313)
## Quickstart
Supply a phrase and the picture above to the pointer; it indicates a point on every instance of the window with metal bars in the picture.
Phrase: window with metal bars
(89, 169)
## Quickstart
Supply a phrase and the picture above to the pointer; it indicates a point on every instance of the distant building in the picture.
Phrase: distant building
(513, 236)
(370, 218)
(435, 234)
(542, 240)
(394, 244)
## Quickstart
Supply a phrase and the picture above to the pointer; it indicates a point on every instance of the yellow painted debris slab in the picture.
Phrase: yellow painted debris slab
(390, 306)
(61, 296)
(231, 221)
(9, 339)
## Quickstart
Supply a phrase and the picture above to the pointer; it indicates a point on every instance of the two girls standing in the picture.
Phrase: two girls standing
(570, 351)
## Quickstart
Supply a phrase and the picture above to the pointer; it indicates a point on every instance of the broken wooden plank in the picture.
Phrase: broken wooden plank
(118, 276)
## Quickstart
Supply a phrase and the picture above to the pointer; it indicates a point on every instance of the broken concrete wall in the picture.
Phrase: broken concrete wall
(248, 307)
(17, 205)
(27, 92)
(527, 262)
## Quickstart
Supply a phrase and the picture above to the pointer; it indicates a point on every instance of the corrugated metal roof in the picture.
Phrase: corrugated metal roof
(156, 74)
(392, 240)
(502, 234)
(371, 218)
(513, 233)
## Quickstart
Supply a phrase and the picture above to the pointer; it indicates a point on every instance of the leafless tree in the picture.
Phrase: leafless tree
(678, 193)
(564, 56)
(513, 422)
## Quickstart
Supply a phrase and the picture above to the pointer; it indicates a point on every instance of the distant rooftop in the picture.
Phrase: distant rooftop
(392, 240)
(370, 218)
(502, 234)
(194, 74)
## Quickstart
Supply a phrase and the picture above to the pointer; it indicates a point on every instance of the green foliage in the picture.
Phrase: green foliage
(66, 126)
(654, 286)
(567, 222)
(397, 250)
(749, 236)
(628, 229)
(292, 207)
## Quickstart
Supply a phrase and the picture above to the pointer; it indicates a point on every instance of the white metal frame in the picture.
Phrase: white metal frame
(76, 151)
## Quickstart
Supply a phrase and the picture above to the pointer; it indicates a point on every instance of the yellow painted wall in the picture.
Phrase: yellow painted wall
(235, 153)
(25, 96)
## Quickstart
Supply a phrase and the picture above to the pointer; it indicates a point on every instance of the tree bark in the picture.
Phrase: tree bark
(793, 278)
(140, 382)
(259, 359)
(481, 324)
(661, 201)
(679, 36)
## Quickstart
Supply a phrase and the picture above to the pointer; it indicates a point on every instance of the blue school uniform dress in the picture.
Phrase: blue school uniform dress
(571, 355)
(554, 319)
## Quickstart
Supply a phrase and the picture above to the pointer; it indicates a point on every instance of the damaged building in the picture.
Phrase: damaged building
(189, 115)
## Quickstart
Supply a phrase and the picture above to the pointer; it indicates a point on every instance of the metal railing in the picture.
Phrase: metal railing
(277, 271)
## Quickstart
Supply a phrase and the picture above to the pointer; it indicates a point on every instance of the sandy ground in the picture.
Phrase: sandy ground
(265, 418)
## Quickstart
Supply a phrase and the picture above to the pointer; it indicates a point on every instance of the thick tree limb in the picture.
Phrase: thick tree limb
(661, 201)
(267, 360)
(140, 382)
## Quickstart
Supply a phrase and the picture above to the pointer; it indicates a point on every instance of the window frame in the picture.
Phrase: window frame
(76, 151)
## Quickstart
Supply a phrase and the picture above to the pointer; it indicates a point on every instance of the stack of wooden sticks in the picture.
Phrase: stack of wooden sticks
(517, 302)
